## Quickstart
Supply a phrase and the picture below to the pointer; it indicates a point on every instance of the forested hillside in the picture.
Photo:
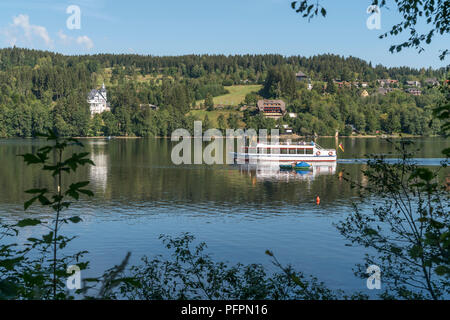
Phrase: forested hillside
(40, 90)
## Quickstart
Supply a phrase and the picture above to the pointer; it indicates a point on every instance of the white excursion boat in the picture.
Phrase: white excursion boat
(287, 153)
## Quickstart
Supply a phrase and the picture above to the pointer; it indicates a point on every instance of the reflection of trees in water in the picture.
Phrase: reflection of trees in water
(141, 170)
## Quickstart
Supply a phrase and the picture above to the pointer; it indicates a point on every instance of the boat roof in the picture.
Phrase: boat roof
(288, 144)
(282, 146)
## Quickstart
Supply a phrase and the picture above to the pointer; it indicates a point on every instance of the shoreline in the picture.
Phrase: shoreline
(282, 137)
(396, 136)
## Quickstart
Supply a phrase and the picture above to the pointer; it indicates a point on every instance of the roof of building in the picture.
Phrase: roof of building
(383, 91)
(432, 80)
(300, 74)
(94, 92)
(271, 103)
(364, 93)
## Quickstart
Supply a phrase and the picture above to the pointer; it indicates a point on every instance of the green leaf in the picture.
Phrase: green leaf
(75, 219)
(9, 264)
(85, 161)
(28, 222)
(43, 200)
(79, 185)
(370, 232)
(423, 173)
(30, 158)
(86, 192)
(131, 281)
(50, 168)
(442, 270)
(45, 149)
(48, 237)
(28, 203)
(73, 194)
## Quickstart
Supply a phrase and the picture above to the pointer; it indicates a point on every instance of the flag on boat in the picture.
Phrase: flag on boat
(341, 147)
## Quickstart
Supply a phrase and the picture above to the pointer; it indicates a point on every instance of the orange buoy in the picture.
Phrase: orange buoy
(318, 200)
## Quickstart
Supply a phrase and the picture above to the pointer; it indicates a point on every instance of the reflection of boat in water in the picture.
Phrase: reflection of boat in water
(287, 152)
(269, 171)
(300, 166)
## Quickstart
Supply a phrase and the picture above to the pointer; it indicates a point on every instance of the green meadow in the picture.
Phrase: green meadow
(235, 96)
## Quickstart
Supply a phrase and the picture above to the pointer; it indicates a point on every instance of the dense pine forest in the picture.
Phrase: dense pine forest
(41, 90)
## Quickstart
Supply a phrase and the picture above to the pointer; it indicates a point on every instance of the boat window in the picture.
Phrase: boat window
(309, 151)
(292, 151)
(284, 151)
(300, 151)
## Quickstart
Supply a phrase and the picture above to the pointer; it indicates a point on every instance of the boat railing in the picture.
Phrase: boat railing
(287, 143)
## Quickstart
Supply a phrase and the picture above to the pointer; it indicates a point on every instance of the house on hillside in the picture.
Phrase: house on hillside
(413, 84)
(432, 82)
(364, 94)
(384, 91)
(414, 91)
(300, 76)
(272, 108)
(387, 82)
(342, 84)
(98, 102)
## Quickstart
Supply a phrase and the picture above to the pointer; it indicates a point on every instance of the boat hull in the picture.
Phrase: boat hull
(283, 158)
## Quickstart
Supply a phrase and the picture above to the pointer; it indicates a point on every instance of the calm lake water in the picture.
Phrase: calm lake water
(239, 211)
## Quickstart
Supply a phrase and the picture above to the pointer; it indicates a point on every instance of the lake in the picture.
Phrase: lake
(239, 211)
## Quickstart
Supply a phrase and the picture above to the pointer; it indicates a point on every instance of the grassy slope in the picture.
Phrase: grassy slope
(237, 95)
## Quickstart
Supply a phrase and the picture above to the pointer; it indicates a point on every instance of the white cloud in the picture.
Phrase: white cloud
(22, 22)
(22, 32)
(85, 41)
(62, 36)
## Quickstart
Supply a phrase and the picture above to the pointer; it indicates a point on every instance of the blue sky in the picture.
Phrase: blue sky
(161, 27)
